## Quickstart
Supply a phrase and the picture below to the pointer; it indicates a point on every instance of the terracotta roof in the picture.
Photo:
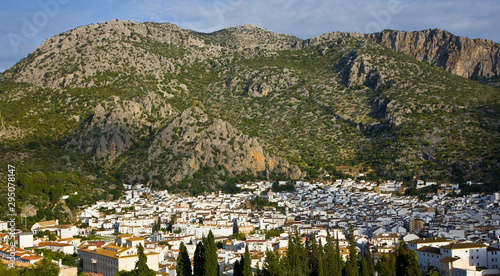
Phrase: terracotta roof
(429, 249)
(54, 244)
(448, 260)
(135, 239)
(31, 258)
(47, 223)
(463, 245)
(430, 240)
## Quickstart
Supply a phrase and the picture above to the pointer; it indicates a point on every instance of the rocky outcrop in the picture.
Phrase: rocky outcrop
(260, 83)
(358, 70)
(116, 124)
(250, 36)
(192, 141)
(469, 58)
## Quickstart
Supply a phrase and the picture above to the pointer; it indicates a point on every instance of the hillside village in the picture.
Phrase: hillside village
(458, 234)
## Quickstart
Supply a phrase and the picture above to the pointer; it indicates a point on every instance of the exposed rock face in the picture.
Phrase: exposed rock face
(462, 56)
(359, 71)
(260, 83)
(192, 141)
(116, 124)
(469, 58)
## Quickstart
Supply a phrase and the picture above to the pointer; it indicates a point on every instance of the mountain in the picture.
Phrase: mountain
(125, 102)
(476, 59)
(470, 58)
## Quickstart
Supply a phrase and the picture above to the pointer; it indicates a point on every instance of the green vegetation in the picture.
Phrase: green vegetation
(312, 258)
(346, 102)
(183, 262)
(210, 265)
(141, 266)
(43, 267)
(66, 259)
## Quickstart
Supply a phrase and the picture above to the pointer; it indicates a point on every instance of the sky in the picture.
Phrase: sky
(25, 24)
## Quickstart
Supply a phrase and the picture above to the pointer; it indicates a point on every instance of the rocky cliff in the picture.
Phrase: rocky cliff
(469, 58)
(193, 142)
(477, 59)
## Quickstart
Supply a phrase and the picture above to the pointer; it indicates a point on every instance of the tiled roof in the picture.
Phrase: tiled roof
(429, 249)
(448, 259)
(463, 245)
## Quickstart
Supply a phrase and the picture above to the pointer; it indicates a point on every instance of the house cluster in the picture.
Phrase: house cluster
(462, 232)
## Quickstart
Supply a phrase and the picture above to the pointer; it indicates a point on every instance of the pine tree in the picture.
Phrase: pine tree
(199, 260)
(247, 264)
(183, 262)
(211, 265)
(141, 266)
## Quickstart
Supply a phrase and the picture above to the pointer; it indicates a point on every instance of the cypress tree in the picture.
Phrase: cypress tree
(296, 257)
(314, 257)
(321, 253)
(273, 265)
(351, 268)
(247, 264)
(237, 269)
(330, 264)
(183, 262)
(158, 225)
(386, 265)
(406, 261)
(339, 261)
(141, 266)
(363, 266)
(199, 260)
(369, 262)
(211, 265)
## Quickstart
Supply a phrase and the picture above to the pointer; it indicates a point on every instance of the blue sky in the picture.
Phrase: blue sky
(25, 24)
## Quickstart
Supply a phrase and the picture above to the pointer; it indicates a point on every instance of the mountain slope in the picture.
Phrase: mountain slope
(125, 102)
(469, 58)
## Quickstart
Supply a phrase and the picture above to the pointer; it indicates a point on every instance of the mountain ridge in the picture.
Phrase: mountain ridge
(470, 58)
